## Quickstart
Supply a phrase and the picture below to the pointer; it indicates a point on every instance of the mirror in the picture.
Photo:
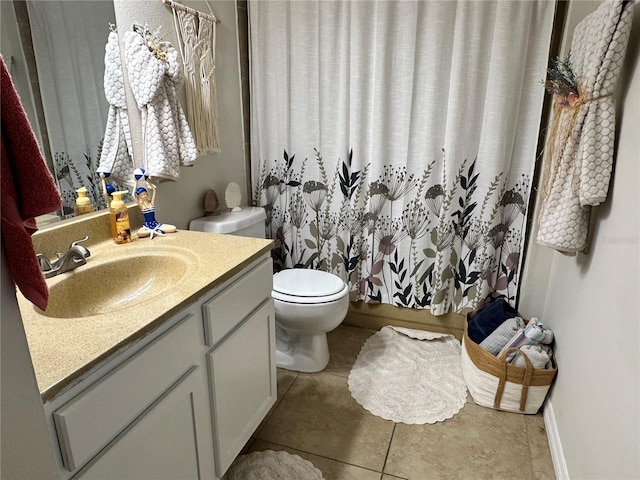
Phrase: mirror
(55, 53)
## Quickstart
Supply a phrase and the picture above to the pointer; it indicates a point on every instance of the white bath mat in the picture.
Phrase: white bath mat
(409, 376)
(271, 465)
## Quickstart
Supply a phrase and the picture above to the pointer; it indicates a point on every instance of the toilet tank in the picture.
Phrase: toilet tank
(248, 222)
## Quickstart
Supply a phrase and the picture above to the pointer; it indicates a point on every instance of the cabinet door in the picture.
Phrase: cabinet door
(167, 441)
(243, 383)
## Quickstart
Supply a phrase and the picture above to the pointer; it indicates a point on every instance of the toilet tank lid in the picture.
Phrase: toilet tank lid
(302, 282)
(229, 222)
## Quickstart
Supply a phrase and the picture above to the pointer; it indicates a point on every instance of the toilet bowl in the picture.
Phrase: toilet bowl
(308, 303)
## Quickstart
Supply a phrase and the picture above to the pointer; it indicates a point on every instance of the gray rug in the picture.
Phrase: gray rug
(409, 376)
(271, 465)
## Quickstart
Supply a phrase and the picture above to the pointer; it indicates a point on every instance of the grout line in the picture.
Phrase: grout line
(384, 465)
(323, 456)
(289, 387)
(526, 432)
(271, 411)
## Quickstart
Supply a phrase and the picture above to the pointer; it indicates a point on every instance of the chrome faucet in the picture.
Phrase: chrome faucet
(74, 257)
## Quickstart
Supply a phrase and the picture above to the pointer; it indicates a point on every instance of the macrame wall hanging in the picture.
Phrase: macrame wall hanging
(196, 33)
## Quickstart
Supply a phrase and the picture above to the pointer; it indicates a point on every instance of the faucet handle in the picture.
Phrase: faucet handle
(44, 262)
(79, 241)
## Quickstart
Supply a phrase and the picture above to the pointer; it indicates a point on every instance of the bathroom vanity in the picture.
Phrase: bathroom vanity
(170, 386)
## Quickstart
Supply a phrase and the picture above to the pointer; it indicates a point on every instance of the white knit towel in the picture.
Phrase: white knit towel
(154, 81)
(116, 153)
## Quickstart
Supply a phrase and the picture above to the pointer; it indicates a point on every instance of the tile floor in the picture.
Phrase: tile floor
(316, 418)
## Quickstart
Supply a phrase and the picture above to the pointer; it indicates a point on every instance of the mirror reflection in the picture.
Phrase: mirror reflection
(55, 51)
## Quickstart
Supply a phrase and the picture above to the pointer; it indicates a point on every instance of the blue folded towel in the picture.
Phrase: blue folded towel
(488, 318)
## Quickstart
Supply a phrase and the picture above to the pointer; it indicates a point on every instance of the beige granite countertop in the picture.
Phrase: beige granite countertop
(64, 349)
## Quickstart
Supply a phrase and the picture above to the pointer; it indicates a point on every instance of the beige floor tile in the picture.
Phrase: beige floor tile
(345, 343)
(539, 445)
(285, 379)
(478, 443)
(391, 477)
(331, 469)
(318, 415)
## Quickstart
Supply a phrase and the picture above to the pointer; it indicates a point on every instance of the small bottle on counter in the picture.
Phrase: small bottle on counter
(119, 215)
(83, 203)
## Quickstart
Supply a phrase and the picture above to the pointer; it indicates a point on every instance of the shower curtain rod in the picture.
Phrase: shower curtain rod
(179, 6)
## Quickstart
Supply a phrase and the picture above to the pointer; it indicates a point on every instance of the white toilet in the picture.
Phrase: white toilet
(308, 303)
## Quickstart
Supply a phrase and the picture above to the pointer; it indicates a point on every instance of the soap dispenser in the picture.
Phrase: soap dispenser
(119, 215)
(83, 203)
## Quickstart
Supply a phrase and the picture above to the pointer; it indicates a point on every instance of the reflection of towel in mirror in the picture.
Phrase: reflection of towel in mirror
(27, 190)
(168, 142)
(116, 148)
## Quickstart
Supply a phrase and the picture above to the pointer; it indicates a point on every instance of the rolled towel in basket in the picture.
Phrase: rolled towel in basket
(532, 334)
(539, 356)
(501, 335)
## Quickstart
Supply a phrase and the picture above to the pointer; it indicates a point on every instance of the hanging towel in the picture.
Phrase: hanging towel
(155, 78)
(28, 190)
(578, 157)
(116, 148)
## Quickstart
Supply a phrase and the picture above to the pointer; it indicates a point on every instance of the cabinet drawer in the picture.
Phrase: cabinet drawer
(234, 303)
(96, 416)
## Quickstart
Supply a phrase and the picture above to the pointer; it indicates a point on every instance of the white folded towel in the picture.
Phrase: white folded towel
(539, 356)
(532, 334)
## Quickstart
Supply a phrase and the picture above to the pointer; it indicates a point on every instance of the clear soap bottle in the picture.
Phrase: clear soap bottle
(119, 216)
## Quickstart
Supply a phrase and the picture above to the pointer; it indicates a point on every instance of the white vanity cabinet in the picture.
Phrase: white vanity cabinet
(183, 401)
(240, 328)
(165, 442)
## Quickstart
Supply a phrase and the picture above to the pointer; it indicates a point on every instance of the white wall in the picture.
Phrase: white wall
(178, 202)
(592, 302)
(25, 447)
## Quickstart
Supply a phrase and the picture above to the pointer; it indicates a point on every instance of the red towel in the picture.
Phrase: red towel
(28, 190)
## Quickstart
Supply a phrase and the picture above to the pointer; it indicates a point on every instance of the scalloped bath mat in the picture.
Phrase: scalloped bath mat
(409, 376)
(272, 465)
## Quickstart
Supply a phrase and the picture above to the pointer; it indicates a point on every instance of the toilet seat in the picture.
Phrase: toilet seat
(299, 285)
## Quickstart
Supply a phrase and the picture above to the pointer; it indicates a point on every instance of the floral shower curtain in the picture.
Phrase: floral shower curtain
(69, 40)
(393, 142)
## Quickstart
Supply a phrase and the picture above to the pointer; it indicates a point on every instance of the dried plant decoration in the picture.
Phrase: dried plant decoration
(152, 39)
(561, 78)
(561, 81)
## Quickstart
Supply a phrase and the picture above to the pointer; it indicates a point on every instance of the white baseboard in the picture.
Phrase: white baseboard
(555, 445)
